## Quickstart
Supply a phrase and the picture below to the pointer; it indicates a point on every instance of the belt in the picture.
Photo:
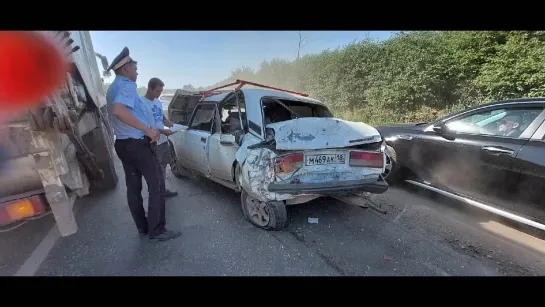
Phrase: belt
(153, 145)
(133, 139)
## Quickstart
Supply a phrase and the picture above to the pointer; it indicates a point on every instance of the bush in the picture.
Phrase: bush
(413, 76)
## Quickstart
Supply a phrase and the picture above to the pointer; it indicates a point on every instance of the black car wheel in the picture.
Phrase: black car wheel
(392, 173)
(176, 167)
(266, 215)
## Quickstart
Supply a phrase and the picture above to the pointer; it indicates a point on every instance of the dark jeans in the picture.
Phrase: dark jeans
(139, 159)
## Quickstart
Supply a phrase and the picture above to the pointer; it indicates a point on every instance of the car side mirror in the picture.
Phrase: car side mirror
(444, 131)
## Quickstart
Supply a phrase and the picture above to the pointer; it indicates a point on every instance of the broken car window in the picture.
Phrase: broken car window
(203, 119)
(275, 112)
(231, 116)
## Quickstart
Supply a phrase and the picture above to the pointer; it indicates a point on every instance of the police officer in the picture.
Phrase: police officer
(132, 121)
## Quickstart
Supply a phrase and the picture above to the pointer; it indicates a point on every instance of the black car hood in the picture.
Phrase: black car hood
(417, 127)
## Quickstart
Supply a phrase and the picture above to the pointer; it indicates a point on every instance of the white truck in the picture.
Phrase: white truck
(61, 150)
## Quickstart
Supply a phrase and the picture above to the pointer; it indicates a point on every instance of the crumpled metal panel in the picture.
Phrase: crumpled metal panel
(257, 172)
(322, 133)
(85, 60)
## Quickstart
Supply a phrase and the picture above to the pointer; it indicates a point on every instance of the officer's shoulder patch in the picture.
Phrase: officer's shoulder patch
(125, 92)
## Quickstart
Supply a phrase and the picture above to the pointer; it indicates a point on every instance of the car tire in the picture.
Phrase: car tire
(393, 174)
(266, 215)
(176, 167)
(237, 178)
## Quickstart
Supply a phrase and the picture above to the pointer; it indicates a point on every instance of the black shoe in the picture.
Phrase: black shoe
(165, 236)
(169, 193)
(143, 233)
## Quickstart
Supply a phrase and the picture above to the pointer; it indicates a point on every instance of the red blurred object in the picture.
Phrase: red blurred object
(31, 67)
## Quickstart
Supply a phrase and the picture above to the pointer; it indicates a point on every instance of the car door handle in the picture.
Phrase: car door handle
(498, 150)
(225, 143)
(203, 140)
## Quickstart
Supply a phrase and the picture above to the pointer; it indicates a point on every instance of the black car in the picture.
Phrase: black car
(491, 156)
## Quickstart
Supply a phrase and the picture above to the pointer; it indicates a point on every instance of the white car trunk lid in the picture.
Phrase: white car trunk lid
(309, 133)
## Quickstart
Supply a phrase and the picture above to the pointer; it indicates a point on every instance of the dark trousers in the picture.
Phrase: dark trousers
(139, 159)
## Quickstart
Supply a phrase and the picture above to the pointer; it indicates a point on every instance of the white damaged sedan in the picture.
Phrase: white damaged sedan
(276, 148)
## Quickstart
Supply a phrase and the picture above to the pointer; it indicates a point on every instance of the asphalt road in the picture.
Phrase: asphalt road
(421, 235)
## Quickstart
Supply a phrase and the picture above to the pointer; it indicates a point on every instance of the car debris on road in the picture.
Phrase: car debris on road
(313, 220)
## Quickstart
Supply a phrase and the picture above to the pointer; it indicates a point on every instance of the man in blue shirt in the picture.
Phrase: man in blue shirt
(155, 88)
(135, 145)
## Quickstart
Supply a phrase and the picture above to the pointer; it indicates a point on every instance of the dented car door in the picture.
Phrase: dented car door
(221, 155)
(223, 146)
(178, 140)
(197, 137)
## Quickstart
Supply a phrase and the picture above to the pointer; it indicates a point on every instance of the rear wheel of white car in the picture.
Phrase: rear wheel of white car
(267, 215)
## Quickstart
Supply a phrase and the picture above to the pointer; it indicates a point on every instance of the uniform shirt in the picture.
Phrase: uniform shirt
(157, 109)
(123, 90)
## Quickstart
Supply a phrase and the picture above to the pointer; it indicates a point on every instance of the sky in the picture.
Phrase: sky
(202, 58)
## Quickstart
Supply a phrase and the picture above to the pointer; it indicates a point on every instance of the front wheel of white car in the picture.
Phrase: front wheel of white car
(176, 167)
(267, 215)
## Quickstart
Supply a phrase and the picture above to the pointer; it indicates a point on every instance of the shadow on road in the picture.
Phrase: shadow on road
(468, 229)
(420, 235)
(475, 214)
(18, 244)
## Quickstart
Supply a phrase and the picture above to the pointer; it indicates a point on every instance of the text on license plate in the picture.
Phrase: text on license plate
(325, 159)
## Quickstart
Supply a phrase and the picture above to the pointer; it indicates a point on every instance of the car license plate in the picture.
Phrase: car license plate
(325, 159)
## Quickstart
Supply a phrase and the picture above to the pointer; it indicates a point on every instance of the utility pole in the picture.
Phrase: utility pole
(302, 42)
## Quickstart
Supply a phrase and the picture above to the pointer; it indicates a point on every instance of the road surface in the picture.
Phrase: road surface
(421, 235)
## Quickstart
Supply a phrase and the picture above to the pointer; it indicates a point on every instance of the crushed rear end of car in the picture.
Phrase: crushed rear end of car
(327, 156)
(311, 157)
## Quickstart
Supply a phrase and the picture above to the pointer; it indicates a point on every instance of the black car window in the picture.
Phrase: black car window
(509, 122)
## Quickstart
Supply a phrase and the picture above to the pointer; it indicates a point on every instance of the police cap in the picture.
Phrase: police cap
(122, 59)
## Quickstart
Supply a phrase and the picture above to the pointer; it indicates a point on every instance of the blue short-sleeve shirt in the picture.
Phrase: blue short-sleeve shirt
(123, 91)
(157, 110)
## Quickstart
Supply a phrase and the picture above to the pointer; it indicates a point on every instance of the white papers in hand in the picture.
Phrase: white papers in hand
(176, 128)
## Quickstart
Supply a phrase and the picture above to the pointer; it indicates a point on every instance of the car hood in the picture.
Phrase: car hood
(406, 126)
(322, 133)
(415, 128)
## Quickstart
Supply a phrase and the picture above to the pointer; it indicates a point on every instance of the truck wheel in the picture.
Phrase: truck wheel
(100, 144)
(107, 166)
(176, 167)
(267, 215)
(392, 174)
(107, 124)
